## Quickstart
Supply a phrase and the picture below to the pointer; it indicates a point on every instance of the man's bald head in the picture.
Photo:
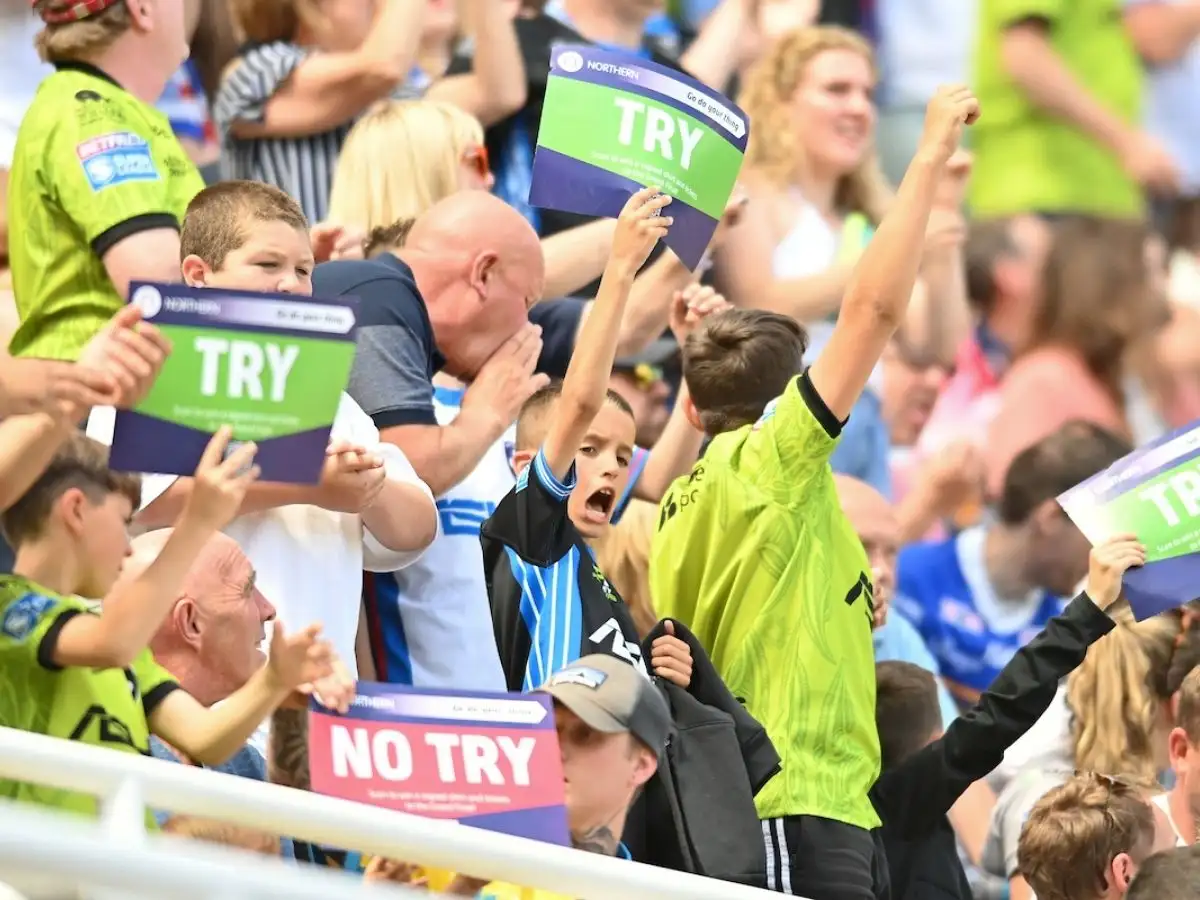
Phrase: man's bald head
(209, 639)
(479, 266)
(874, 520)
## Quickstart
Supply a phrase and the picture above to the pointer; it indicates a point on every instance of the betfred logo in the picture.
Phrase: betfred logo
(105, 143)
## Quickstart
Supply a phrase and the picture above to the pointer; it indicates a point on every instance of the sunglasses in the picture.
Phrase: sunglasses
(476, 158)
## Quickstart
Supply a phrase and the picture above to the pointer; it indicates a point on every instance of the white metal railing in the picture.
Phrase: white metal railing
(127, 783)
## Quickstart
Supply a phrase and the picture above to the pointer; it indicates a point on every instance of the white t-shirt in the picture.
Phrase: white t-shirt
(1163, 802)
(309, 561)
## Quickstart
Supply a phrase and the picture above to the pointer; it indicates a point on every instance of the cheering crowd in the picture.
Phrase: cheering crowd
(778, 535)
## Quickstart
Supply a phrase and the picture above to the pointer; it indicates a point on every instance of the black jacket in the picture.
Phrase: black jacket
(697, 814)
(912, 798)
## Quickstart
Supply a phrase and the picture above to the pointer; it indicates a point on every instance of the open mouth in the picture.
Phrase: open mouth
(600, 503)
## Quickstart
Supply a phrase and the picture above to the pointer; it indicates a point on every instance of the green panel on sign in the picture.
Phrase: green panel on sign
(1164, 513)
(642, 140)
(262, 385)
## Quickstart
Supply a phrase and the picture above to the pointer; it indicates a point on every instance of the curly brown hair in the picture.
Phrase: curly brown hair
(766, 98)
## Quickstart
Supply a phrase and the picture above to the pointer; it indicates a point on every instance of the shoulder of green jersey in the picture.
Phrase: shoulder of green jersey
(23, 614)
(116, 158)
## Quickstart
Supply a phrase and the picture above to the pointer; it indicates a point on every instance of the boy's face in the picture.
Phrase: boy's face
(103, 532)
(276, 258)
(601, 470)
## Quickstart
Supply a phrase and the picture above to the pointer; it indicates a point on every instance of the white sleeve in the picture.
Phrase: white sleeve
(100, 426)
(376, 557)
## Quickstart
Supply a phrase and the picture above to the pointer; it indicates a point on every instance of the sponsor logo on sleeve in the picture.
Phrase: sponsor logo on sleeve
(116, 158)
(22, 616)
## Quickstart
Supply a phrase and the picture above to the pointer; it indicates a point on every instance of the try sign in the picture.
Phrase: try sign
(489, 760)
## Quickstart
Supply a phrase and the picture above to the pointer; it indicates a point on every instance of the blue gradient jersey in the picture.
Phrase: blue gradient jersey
(430, 623)
(944, 590)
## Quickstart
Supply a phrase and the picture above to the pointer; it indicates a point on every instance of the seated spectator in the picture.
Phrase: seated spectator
(1097, 303)
(1086, 839)
(92, 678)
(98, 185)
(1170, 875)
(574, 445)
(754, 554)
(977, 597)
(368, 508)
(1181, 802)
(1114, 715)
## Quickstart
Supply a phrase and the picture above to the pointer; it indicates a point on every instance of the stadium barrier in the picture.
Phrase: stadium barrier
(116, 852)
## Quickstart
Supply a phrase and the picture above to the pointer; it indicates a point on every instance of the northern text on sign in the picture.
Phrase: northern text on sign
(243, 364)
(469, 758)
(659, 130)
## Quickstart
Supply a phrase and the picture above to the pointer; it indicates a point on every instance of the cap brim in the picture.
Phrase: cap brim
(659, 353)
(591, 713)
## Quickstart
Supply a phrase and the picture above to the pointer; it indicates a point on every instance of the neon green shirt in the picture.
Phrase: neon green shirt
(93, 165)
(755, 555)
(1029, 161)
(101, 707)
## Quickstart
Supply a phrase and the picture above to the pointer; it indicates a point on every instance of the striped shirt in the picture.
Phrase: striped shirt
(301, 166)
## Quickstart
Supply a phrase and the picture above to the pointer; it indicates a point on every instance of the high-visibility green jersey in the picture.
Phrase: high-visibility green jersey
(755, 555)
(93, 165)
(101, 707)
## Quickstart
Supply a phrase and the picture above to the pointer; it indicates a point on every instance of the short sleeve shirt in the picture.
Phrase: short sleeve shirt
(93, 165)
(101, 707)
(754, 554)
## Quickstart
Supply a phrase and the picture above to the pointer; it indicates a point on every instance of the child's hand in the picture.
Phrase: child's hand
(129, 350)
(335, 690)
(691, 306)
(298, 659)
(220, 483)
(639, 228)
(1107, 565)
(351, 478)
(671, 658)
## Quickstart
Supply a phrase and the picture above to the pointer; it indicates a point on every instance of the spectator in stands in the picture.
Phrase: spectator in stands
(1097, 302)
(623, 554)
(1087, 839)
(369, 509)
(574, 446)
(1171, 875)
(1182, 802)
(1004, 264)
(1066, 86)
(98, 185)
(736, 520)
(1114, 715)
(92, 677)
(978, 596)
(924, 772)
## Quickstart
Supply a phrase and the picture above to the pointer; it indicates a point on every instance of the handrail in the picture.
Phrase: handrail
(340, 823)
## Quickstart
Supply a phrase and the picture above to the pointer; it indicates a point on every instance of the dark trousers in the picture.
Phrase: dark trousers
(821, 859)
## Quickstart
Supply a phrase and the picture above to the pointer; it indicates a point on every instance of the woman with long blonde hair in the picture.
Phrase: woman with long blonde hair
(1116, 712)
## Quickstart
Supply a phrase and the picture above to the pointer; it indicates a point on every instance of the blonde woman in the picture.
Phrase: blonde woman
(623, 554)
(1113, 717)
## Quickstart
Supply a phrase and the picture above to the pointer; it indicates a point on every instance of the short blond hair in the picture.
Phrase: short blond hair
(399, 159)
(66, 41)
(1076, 830)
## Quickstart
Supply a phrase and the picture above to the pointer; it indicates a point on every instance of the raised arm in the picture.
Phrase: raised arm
(639, 227)
(879, 291)
(320, 91)
(496, 86)
(921, 789)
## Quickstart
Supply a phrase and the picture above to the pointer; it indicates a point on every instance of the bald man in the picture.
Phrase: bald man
(455, 298)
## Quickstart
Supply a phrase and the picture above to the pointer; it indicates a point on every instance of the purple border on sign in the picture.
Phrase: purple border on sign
(1162, 585)
(400, 694)
(1130, 471)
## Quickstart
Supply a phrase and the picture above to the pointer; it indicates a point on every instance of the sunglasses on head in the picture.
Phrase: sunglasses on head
(476, 158)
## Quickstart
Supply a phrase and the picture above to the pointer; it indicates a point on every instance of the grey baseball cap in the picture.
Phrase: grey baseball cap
(612, 696)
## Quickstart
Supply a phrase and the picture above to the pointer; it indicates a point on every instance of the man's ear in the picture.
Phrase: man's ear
(195, 271)
(1177, 746)
(186, 620)
(646, 766)
(1121, 872)
(693, 414)
(482, 270)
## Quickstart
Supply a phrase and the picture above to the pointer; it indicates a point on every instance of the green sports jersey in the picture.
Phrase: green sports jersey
(101, 707)
(755, 555)
(93, 165)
